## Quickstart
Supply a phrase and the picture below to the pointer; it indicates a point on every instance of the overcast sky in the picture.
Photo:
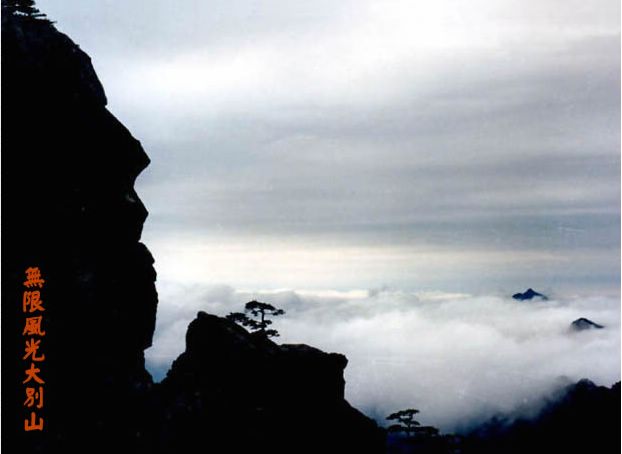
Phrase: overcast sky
(438, 145)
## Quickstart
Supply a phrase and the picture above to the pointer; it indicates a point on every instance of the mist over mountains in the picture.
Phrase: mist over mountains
(459, 358)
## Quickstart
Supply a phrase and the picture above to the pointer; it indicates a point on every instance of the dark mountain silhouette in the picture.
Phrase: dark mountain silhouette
(260, 396)
(582, 324)
(69, 207)
(528, 295)
(583, 418)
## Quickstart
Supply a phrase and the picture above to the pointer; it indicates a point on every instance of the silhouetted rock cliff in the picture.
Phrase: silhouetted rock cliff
(234, 391)
(69, 207)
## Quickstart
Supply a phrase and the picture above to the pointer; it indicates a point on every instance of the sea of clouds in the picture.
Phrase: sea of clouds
(458, 358)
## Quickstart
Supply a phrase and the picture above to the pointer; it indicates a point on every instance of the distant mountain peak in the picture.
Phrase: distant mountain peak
(528, 295)
(583, 323)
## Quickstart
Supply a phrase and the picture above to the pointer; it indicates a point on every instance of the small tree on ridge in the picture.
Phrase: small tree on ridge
(23, 8)
(260, 322)
(407, 423)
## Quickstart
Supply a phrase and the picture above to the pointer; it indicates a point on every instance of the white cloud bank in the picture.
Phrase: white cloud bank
(458, 358)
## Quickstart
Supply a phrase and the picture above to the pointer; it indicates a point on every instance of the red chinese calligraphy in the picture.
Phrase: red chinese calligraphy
(32, 424)
(33, 277)
(34, 395)
(32, 301)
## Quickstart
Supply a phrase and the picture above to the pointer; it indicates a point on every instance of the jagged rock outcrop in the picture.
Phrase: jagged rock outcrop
(69, 207)
(582, 324)
(241, 392)
(529, 294)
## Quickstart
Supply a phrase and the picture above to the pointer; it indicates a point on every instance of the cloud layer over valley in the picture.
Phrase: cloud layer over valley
(458, 358)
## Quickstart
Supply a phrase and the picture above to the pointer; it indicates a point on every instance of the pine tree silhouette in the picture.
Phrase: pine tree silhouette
(260, 311)
(23, 8)
(409, 425)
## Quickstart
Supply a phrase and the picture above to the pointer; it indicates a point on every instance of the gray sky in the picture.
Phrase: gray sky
(440, 145)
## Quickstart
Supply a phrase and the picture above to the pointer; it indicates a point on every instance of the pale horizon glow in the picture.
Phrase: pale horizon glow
(371, 129)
